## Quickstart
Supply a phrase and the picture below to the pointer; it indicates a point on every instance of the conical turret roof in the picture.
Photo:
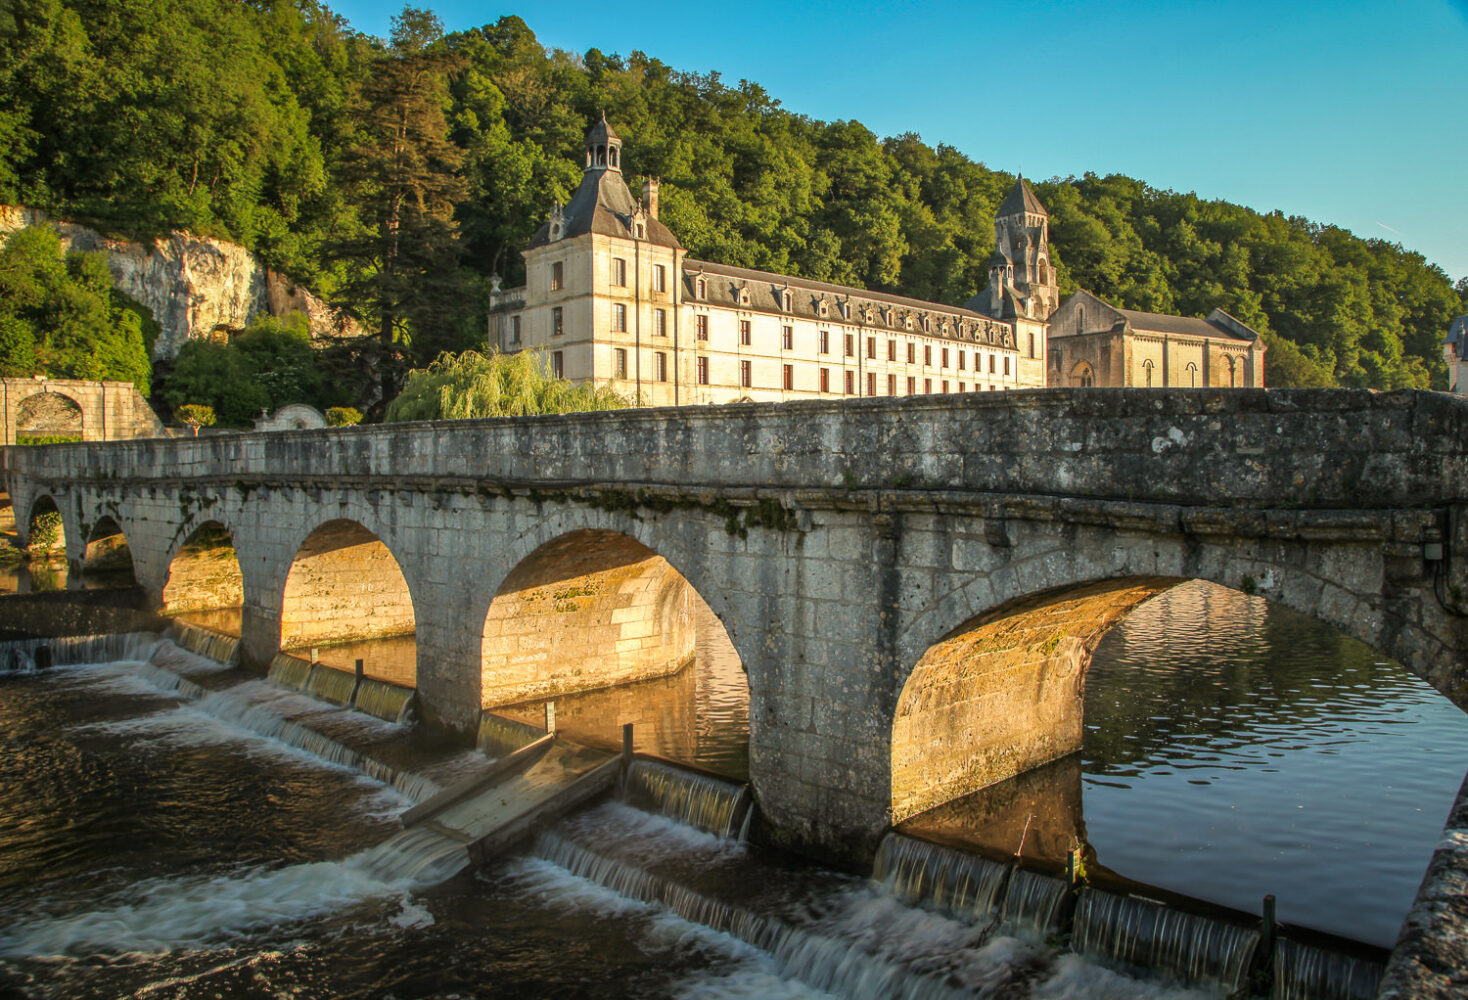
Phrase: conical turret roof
(1020, 200)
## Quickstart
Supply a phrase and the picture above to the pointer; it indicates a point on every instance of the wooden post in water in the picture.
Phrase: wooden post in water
(1268, 929)
(626, 746)
(550, 717)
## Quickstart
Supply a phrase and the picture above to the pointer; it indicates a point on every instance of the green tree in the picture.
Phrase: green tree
(403, 175)
(494, 385)
(61, 317)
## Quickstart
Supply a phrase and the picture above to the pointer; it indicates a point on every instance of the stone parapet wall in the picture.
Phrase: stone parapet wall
(1269, 448)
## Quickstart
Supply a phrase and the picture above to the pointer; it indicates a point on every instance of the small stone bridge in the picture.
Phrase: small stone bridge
(914, 586)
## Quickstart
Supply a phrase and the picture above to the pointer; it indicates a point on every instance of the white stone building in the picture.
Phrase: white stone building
(612, 297)
(1455, 353)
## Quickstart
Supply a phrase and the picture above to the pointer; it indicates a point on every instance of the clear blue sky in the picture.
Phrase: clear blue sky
(1352, 113)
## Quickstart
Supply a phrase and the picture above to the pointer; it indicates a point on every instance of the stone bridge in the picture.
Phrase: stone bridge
(914, 586)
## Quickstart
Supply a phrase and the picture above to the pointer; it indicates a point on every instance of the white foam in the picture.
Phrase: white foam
(164, 915)
(1076, 978)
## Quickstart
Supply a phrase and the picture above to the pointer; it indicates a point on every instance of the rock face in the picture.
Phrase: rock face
(193, 285)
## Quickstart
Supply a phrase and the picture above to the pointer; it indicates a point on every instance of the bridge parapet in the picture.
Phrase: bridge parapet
(1343, 449)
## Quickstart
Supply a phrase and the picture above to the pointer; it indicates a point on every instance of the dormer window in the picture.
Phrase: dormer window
(824, 308)
(701, 288)
(641, 231)
(787, 301)
(743, 295)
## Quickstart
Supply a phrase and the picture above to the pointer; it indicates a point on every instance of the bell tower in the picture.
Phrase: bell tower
(1021, 267)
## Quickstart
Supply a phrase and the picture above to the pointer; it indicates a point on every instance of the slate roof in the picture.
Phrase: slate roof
(603, 204)
(1186, 326)
(887, 311)
(1020, 199)
(1458, 333)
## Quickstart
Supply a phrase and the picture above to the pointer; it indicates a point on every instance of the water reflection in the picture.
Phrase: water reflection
(44, 575)
(1235, 748)
(699, 715)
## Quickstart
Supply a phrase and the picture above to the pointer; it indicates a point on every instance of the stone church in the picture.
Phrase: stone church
(612, 297)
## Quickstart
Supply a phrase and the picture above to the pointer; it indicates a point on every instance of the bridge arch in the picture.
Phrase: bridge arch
(343, 584)
(203, 571)
(1031, 628)
(107, 549)
(45, 528)
(588, 609)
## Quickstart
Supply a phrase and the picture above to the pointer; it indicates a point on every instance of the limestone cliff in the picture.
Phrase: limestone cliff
(194, 285)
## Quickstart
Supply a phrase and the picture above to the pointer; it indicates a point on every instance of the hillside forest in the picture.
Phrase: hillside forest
(394, 176)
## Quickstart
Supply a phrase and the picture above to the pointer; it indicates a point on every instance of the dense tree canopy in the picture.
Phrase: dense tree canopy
(396, 175)
(61, 317)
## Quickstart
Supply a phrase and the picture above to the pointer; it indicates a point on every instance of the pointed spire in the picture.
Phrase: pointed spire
(1020, 200)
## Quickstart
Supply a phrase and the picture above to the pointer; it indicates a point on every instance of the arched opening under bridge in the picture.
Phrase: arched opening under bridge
(346, 598)
(107, 556)
(611, 633)
(205, 585)
(1227, 747)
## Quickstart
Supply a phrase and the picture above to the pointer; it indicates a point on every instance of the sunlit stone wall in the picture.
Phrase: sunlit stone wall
(588, 610)
(343, 585)
(205, 575)
(1002, 695)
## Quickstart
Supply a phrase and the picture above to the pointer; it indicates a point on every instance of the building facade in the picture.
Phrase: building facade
(1455, 353)
(1093, 343)
(612, 297)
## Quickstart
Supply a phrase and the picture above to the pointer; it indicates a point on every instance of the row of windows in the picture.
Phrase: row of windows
(659, 276)
(823, 346)
(659, 364)
(823, 381)
(787, 376)
(787, 340)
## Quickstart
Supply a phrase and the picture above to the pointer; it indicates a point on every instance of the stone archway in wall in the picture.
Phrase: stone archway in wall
(204, 579)
(48, 417)
(606, 627)
(1002, 693)
(346, 597)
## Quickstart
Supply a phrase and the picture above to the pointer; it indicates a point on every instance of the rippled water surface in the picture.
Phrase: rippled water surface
(1235, 748)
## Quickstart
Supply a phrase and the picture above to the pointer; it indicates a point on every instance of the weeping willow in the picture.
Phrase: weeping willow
(468, 385)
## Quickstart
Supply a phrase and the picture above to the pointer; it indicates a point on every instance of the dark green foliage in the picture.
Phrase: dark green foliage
(60, 316)
(397, 176)
(265, 367)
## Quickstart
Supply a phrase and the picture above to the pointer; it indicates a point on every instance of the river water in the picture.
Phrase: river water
(150, 847)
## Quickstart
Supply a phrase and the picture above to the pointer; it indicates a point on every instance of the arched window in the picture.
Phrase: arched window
(1192, 371)
(703, 288)
(1083, 375)
(1147, 371)
(1233, 371)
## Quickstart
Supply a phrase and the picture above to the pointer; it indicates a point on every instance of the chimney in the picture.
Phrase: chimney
(650, 197)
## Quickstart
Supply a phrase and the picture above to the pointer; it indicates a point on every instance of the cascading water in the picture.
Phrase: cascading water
(389, 702)
(703, 802)
(836, 966)
(289, 671)
(221, 648)
(19, 655)
(1304, 972)
(965, 885)
(500, 737)
(331, 685)
(1148, 934)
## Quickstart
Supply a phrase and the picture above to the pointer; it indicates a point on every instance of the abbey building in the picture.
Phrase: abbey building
(612, 297)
